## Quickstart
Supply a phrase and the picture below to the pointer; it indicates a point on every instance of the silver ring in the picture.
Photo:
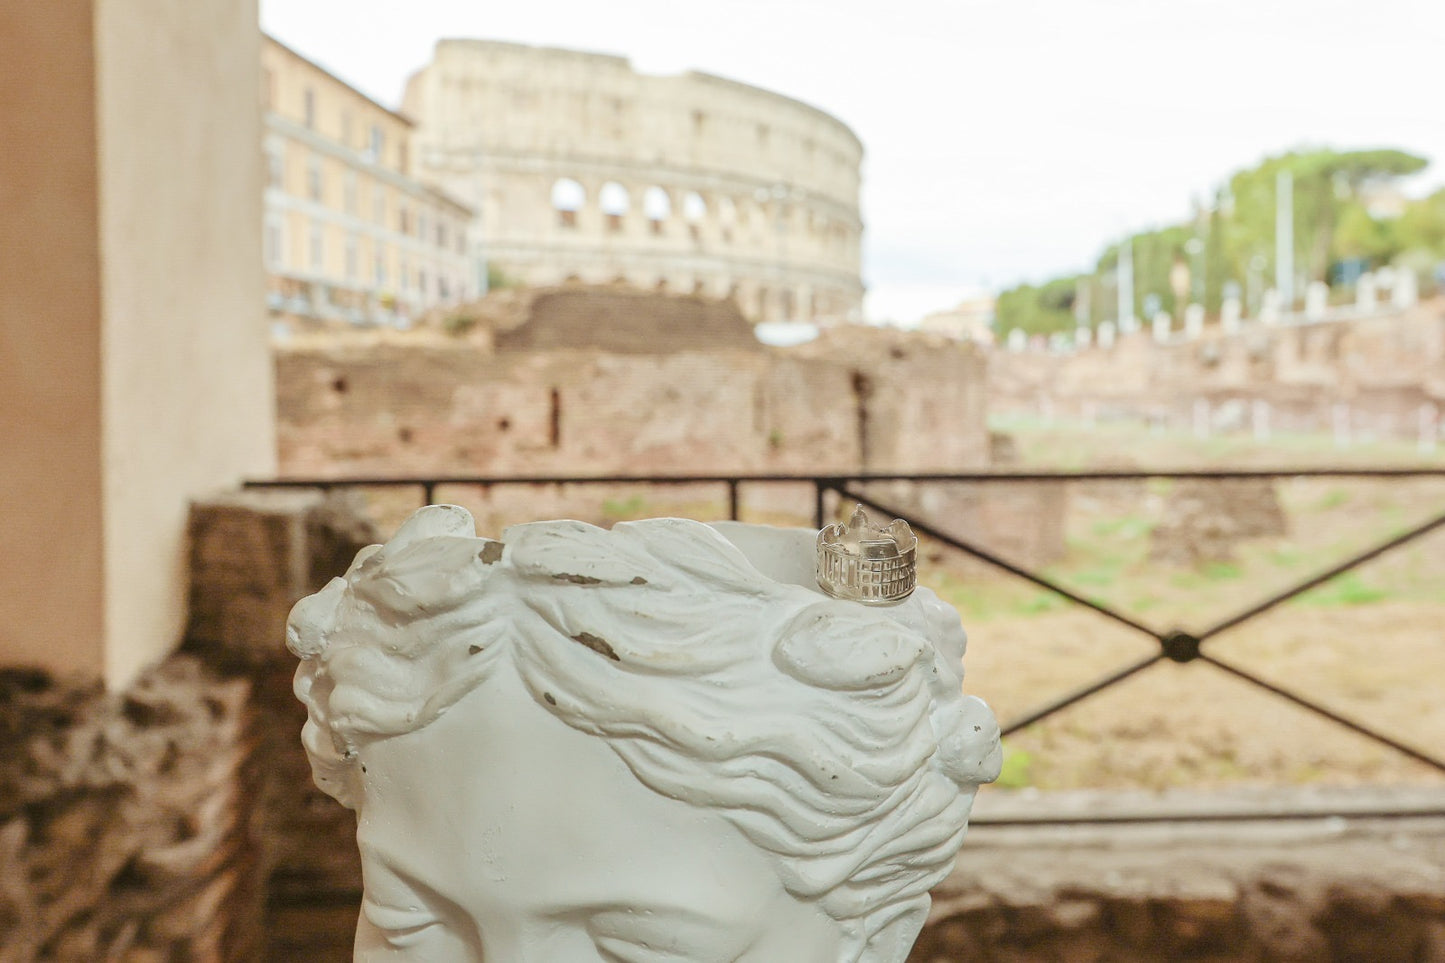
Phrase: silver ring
(861, 563)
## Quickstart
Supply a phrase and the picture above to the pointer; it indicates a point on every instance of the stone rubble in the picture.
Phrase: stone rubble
(126, 821)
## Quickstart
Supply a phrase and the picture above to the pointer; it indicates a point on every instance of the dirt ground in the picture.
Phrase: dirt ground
(1369, 645)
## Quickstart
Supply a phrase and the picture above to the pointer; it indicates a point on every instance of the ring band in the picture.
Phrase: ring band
(862, 563)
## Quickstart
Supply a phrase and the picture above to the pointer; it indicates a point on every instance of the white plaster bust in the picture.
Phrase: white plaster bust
(655, 744)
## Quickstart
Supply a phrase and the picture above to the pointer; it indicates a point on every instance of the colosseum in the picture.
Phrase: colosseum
(584, 169)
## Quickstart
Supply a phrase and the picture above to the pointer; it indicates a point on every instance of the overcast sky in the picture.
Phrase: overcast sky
(1006, 140)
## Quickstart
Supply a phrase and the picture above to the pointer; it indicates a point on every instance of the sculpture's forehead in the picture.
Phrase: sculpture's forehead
(503, 809)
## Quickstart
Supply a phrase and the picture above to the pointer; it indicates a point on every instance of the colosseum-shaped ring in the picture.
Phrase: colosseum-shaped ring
(863, 563)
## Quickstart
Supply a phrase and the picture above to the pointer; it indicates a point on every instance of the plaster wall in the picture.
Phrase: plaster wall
(187, 378)
(50, 472)
(134, 370)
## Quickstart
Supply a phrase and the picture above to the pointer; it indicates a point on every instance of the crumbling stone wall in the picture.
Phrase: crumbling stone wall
(1383, 369)
(253, 555)
(390, 409)
(628, 321)
(1303, 891)
(1203, 520)
(154, 824)
(857, 399)
(127, 827)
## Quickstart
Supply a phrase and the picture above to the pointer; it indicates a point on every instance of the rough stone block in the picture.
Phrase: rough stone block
(254, 553)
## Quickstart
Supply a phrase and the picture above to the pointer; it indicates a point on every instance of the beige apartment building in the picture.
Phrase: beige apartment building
(349, 234)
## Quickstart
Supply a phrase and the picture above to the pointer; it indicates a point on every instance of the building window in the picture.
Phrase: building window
(274, 239)
(378, 204)
(405, 272)
(346, 128)
(351, 257)
(349, 192)
(444, 289)
(657, 207)
(268, 88)
(403, 219)
(377, 143)
(441, 233)
(421, 280)
(318, 247)
(276, 164)
(423, 226)
(568, 197)
(614, 201)
(308, 108)
(379, 269)
(313, 177)
(694, 208)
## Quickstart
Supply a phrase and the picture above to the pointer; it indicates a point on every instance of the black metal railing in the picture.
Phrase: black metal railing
(1175, 645)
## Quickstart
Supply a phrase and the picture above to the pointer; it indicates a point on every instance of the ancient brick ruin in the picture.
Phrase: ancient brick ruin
(1373, 377)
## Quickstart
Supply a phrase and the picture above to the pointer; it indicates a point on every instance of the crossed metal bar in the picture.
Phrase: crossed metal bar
(1176, 645)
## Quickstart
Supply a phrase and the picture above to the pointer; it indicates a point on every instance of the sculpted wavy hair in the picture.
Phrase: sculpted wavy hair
(832, 735)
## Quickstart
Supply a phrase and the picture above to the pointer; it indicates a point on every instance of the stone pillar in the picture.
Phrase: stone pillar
(1106, 334)
(136, 372)
(1163, 327)
(1406, 292)
(1194, 322)
(1259, 419)
(1342, 423)
(1317, 301)
(1269, 308)
(1366, 295)
(1427, 420)
(1201, 419)
(1229, 316)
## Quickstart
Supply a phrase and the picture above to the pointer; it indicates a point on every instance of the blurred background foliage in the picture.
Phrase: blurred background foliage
(1349, 216)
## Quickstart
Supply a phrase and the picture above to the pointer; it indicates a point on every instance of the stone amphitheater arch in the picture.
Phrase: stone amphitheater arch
(760, 191)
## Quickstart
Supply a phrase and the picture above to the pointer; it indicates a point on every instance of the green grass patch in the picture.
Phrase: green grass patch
(1222, 571)
(1286, 556)
(982, 600)
(1146, 603)
(1041, 602)
(1346, 589)
(622, 509)
(1128, 529)
(1017, 771)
